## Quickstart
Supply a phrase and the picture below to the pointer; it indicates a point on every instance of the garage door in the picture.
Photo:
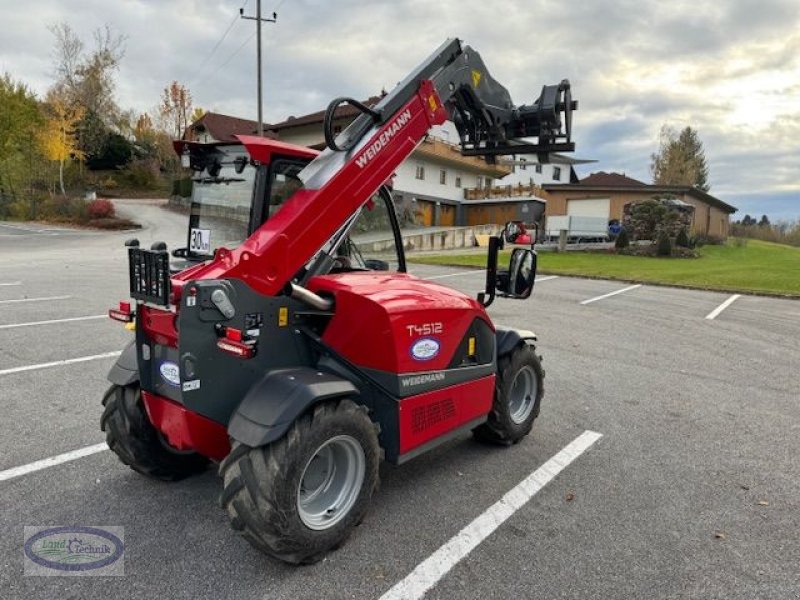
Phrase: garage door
(590, 207)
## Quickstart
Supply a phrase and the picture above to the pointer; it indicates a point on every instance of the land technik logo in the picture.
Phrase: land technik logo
(74, 550)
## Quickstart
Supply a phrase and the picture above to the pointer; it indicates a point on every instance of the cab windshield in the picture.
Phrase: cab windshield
(219, 214)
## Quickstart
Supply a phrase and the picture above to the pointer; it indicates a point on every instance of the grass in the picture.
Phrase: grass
(755, 267)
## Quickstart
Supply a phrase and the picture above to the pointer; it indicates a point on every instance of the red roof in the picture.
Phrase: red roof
(601, 178)
(223, 127)
(342, 112)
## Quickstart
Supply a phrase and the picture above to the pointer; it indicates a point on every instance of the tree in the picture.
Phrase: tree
(764, 222)
(175, 109)
(680, 159)
(58, 139)
(86, 80)
(20, 118)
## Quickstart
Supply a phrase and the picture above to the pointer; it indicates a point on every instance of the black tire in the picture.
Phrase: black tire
(262, 485)
(501, 426)
(132, 437)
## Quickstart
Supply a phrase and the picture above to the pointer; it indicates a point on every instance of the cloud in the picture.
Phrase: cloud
(729, 69)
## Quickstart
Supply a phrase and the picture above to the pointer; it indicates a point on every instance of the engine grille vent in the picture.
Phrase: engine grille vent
(423, 417)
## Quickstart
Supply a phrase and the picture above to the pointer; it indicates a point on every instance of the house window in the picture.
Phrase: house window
(458, 182)
(538, 168)
(488, 182)
(522, 165)
(557, 173)
(443, 177)
(420, 172)
(480, 183)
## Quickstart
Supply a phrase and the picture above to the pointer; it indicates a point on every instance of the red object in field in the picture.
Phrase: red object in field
(123, 313)
(425, 417)
(401, 311)
(277, 249)
(186, 430)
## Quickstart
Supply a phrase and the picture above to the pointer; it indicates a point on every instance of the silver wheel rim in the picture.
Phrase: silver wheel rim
(522, 395)
(331, 482)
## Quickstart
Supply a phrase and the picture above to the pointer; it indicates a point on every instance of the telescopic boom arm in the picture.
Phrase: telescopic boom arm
(452, 83)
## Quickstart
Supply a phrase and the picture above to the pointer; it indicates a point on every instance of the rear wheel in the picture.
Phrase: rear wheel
(301, 496)
(518, 394)
(138, 444)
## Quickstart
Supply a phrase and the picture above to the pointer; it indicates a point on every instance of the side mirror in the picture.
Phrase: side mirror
(517, 282)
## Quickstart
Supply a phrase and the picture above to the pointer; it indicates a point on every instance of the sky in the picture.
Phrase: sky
(728, 68)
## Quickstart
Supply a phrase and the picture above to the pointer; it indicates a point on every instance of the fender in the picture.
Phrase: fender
(126, 370)
(508, 339)
(271, 406)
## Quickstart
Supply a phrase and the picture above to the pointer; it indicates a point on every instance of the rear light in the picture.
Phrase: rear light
(237, 349)
(235, 344)
(123, 313)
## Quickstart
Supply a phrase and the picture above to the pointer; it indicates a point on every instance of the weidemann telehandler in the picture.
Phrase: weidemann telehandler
(293, 348)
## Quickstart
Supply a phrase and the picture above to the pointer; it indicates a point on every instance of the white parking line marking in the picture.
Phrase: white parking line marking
(622, 291)
(52, 461)
(431, 570)
(481, 271)
(59, 363)
(34, 299)
(457, 274)
(52, 321)
(11, 283)
(715, 313)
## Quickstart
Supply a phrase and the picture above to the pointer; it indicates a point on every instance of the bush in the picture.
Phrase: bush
(682, 239)
(663, 245)
(622, 241)
(142, 173)
(100, 209)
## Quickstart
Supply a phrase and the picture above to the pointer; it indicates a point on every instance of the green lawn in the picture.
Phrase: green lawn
(757, 267)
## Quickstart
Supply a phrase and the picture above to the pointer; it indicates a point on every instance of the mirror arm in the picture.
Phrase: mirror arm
(487, 296)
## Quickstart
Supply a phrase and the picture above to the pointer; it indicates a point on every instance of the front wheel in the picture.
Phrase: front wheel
(518, 395)
(299, 497)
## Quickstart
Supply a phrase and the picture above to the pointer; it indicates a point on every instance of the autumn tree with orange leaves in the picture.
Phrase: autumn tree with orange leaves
(175, 109)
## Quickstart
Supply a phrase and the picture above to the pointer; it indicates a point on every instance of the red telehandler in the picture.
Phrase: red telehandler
(290, 345)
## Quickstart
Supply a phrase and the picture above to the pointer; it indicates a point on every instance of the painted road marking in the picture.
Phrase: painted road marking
(52, 461)
(715, 313)
(59, 363)
(431, 570)
(622, 291)
(52, 321)
(35, 299)
(481, 271)
(470, 272)
(11, 283)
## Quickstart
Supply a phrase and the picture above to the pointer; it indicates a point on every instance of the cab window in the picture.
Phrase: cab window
(371, 242)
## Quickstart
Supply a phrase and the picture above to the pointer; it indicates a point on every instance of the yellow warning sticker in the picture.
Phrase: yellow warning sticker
(471, 349)
(476, 78)
(283, 316)
(432, 102)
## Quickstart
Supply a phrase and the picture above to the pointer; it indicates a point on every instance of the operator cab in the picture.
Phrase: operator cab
(237, 187)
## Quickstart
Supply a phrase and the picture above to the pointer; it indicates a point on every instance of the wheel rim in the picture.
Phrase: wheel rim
(331, 482)
(523, 395)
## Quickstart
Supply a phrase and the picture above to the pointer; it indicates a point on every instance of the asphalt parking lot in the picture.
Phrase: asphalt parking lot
(693, 490)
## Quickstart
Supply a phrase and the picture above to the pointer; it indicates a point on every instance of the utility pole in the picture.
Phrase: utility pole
(258, 21)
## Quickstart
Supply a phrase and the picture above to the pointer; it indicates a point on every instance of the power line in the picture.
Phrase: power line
(219, 43)
(227, 60)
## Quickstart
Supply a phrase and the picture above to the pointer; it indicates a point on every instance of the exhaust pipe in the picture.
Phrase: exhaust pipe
(308, 297)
